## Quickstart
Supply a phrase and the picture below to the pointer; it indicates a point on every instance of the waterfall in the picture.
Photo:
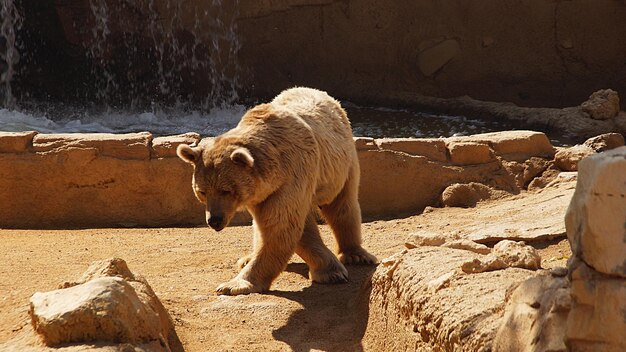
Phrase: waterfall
(9, 56)
(179, 53)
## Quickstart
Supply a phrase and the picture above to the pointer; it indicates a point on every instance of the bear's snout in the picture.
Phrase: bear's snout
(216, 222)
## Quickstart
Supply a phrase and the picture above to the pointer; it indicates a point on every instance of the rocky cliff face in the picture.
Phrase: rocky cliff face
(531, 53)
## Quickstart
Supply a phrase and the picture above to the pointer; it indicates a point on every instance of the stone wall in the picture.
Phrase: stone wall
(533, 53)
(91, 180)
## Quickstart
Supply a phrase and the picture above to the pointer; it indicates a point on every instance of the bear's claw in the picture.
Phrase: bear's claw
(238, 287)
(357, 256)
(336, 275)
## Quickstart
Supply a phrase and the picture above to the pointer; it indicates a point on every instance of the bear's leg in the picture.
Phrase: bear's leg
(243, 261)
(277, 242)
(344, 217)
(323, 265)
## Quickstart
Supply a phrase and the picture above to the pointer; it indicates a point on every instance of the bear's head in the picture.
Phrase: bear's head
(223, 178)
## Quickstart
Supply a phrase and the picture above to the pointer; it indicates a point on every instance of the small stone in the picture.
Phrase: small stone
(558, 271)
(489, 262)
(517, 254)
(424, 238)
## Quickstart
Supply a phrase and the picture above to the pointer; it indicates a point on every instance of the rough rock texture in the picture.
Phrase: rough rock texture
(605, 142)
(103, 309)
(567, 159)
(517, 254)
(108, 305)
(505, 254)
(602, 105)
(470, 153)
(596, 230)
(467, 195)
(468, 246)
(104, 180)
(596, 320)
(547, 54)
(595, 219)
(420, 301)
(535, 316)
(16, 142)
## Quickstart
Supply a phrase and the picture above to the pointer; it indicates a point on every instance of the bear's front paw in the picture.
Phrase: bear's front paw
(243, 261)
(238, 287)
(357, 256)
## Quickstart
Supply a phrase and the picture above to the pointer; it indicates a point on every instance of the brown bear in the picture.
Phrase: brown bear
(283, 162)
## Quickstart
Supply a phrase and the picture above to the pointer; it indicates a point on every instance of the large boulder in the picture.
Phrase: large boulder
(421, 301)
(595, 216)
(602, 105)
(597, 234)
(107, 306)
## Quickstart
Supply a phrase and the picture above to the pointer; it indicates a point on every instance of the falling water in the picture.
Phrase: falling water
(9, 56)
(191, 64)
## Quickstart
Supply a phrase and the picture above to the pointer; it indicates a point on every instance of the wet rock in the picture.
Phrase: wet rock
(468, 195)
(16, 142)
(605, 142)
(535, 316)
(602, 105)
(567, 159)
(108, 305)
(595, 216)
(470, 153)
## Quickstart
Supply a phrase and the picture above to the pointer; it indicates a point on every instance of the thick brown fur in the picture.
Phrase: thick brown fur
(282, 162)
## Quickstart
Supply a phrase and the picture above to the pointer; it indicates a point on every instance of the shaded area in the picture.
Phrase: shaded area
(332, 317)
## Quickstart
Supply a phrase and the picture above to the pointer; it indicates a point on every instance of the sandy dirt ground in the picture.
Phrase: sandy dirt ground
(184, 265)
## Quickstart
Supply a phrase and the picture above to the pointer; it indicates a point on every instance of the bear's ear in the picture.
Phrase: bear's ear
(188, 154)
(242, 156)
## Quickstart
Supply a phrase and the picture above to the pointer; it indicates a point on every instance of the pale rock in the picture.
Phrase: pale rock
(423, 238)
(365, 143)
(535, 316)
(470, 153)
(513, 145)
(467, 245)
(103, 309)
(163, 147)
(505, 254)
(595, 218)
(602, 104)
(425, 304)
(120, 146)
(517, 254)
(16, 142)
(567, 159)
(605, 142)
(596, 321)
(433, 149)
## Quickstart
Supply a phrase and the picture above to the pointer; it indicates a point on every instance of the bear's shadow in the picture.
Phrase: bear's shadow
(333, 318)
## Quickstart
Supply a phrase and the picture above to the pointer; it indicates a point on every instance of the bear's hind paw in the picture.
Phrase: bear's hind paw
(330, 276)
(357, 256)
(238, 287)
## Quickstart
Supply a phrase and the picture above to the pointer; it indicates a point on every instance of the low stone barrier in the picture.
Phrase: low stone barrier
(112, 180)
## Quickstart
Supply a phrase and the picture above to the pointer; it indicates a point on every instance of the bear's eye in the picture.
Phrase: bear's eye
(202, 193)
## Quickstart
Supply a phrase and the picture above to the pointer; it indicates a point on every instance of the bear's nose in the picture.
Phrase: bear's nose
(216, 222)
